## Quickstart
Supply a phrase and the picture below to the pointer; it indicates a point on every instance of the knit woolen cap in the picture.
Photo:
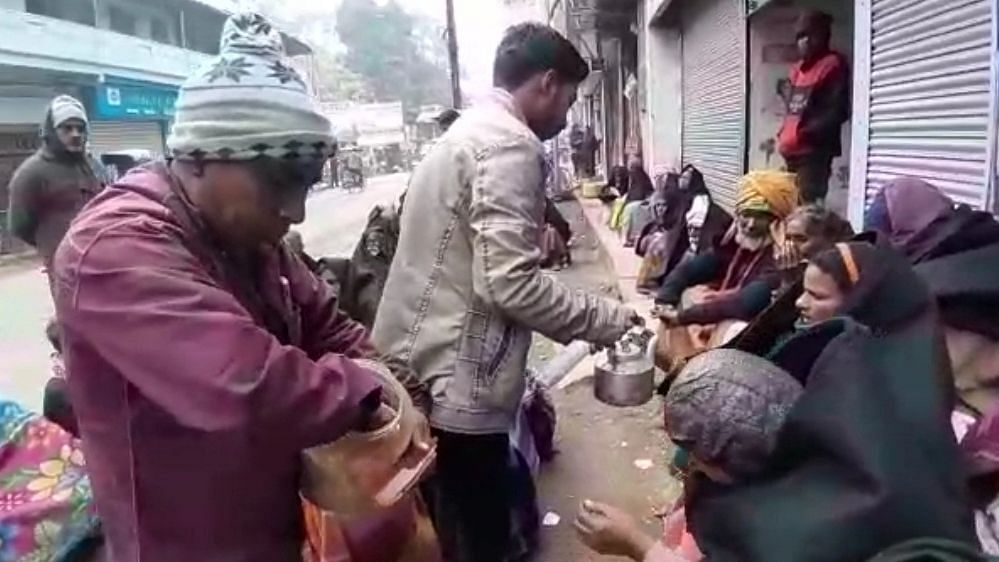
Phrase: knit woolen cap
(248, 102)
(64, 108)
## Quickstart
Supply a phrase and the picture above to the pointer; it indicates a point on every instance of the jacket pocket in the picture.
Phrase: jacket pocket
(499, 355)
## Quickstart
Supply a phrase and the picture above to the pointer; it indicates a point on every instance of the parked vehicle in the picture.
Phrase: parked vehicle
(118, 163)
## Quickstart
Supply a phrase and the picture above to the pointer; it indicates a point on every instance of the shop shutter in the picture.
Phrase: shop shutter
(930, 95)
(714, 84)
(112, 136)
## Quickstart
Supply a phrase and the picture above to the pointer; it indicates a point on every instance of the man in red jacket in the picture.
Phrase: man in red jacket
(809, 138)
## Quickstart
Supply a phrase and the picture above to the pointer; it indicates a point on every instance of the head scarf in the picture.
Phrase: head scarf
(697, 185)
(727, 407)
(881, 289)
(698, 211)
(906, 209)
(769, 191)
(248, 102)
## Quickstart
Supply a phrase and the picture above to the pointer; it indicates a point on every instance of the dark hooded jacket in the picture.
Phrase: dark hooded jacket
(47, 191)
(867, 458)
(955, 249)
(639, 185)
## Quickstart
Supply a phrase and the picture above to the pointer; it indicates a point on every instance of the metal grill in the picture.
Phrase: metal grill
(714, 83)
(930, 95)
(112, 136)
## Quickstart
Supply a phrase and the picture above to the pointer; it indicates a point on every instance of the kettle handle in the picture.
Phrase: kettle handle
(650, 350)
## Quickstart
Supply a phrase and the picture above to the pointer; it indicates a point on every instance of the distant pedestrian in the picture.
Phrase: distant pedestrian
(447, 118)
(809, 138)
(577, 143)
(590, 146)
(50, 187)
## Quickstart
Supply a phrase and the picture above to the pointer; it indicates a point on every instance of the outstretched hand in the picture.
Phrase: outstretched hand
(610, 531)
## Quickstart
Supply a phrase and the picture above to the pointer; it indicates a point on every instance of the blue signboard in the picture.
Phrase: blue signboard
(754, 6)
(129, 101)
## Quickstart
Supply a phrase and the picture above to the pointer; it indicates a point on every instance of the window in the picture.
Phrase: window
(158, 31)
(122, 21)
(79, 11)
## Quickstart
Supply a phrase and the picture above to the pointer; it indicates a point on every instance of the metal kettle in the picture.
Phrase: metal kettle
(625, 374)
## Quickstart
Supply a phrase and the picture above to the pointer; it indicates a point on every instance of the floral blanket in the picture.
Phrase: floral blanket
(45, 497)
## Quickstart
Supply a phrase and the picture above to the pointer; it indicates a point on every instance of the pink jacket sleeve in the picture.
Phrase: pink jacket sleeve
(326, 328)
(146, 306)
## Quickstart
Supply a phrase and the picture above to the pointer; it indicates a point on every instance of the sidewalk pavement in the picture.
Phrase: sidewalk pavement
(612, 455)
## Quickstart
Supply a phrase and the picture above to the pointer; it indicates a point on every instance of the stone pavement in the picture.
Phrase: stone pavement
(605, 453)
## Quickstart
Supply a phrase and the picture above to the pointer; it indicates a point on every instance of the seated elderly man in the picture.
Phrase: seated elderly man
(735, 280)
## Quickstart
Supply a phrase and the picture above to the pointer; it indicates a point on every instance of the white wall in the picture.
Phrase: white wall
(18, 5)
(771, 30)
(664, 96)
(40, 42)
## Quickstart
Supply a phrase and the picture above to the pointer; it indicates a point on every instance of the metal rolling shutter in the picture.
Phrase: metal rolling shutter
(930, 91)
(111, 136)
(714, 85)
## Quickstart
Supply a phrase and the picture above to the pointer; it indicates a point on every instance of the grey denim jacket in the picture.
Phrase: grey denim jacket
(465, 291)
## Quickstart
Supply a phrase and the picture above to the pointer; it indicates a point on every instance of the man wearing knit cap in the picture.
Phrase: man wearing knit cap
(203, 356)
(51, 186)
(809, 138)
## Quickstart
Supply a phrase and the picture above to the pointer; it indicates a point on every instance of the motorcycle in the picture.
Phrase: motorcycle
(353, 180)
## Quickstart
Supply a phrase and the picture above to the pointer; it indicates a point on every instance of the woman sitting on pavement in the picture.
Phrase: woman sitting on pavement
(865, 466)
(637, 212)
(956, 252)
(726, 408)
(735, 281)
(686, 222)
(866, 459)
(809, 231)
(615, 193)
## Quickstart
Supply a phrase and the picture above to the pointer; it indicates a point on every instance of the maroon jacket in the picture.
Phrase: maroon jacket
(193, 414)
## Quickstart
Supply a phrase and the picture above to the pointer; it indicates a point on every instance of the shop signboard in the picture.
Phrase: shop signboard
(129, 101)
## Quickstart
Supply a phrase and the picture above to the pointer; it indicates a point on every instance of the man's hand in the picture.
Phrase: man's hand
(421, 441)
(668, 315)
(611, 532)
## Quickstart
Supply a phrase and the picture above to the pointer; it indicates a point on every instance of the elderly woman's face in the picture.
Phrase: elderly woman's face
(821, 299)
(806, 244)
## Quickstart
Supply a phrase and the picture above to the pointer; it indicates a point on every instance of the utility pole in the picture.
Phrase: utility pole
(452, 55)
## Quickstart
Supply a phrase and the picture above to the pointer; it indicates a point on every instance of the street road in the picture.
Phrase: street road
(334, 222)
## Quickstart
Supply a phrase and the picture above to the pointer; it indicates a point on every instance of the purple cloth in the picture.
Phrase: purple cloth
(193, 414)
(913, 206)
(980, 445)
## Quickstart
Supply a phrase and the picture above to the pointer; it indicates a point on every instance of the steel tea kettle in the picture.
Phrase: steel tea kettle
(625, 374)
